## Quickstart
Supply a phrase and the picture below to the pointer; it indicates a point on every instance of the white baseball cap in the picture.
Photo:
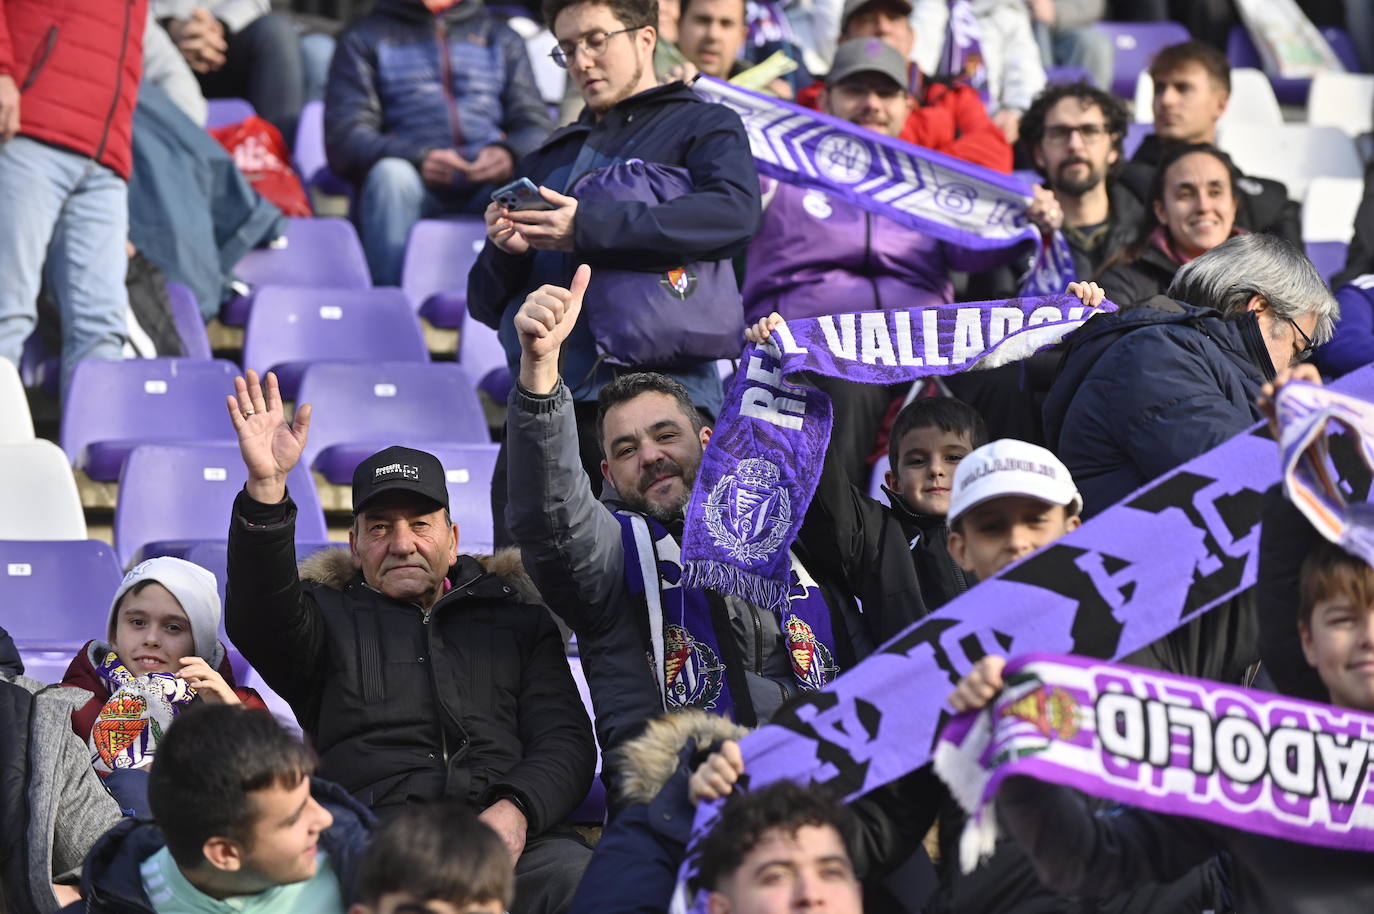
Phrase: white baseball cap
(1010, 467)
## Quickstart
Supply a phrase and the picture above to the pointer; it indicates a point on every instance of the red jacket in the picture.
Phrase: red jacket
(81, 673)
(77, 64)
(948, 118)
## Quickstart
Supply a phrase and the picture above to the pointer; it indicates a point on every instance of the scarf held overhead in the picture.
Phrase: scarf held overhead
(1163, 556)
(960, 203)
(762, 466)
(1290, 769)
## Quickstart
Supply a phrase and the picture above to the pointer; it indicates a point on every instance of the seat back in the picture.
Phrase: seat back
(146, 400)
(439, 255)
(320, 252)
(1291, 153)
(390, 403)
(1327, 256)
(483, 357)
(311, 325)
(195, 343)
(1136, 44)
(16, 422)
(221, 112)
(38, 497)
(1329, 207)
(468, 469)
(181, 492)
(56, 595)
(1343, 100)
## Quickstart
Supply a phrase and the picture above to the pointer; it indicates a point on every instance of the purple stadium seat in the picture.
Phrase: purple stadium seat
(225, 111)
(439, 254)
(469, 468)
(1327, 256)
(1063, 76)
(172, 495)
(1136, 43)
(189, 323)
(112, 407)
(1241, 52)
(360, 408)
(484, 358)
(319, 253)
(311, 163)
(55, 596)
(297, 326)
(1343, 46)
(1135, 135)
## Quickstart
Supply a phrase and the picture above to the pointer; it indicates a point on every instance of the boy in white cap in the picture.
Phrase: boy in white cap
(162, 652)
(1010, 498)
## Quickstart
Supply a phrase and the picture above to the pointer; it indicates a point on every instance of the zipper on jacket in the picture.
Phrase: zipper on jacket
(119, 82)
(446, 77)
(49, 42)
(758, 639)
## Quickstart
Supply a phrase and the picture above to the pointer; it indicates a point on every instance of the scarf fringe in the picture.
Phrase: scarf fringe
(722, 577)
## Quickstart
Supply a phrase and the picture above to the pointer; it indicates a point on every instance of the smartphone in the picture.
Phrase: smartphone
(522, 193)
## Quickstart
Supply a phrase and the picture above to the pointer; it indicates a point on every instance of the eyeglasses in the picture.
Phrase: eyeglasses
(594, 43)
(1059, 133)
(1308, 344)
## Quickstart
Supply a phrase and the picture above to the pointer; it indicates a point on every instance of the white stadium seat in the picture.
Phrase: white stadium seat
(1328, 208)
(1291, 153)
(38, 497)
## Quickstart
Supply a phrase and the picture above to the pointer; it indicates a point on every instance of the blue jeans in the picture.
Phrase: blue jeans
(394, 198)
(65, 217)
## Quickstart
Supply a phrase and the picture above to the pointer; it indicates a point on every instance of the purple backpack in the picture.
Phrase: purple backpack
(686, 315)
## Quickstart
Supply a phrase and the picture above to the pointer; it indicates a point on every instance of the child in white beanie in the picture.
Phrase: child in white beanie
(162, 652)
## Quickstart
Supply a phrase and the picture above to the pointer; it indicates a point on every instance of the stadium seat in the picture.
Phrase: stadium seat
(1343, 100)
(171, 495)
(1063, 76)
(296, 326)
(468, 469)
(1241, 51)
(484, 358)
(311, 163)
(1329, 207)
(1136, 43)
(16, 423)
(1252, 99)
(1135, 135)
(112, 407)
(439, 255)
(55, 596)
(221, 112)
(360, 408)
(1344, 47)
(195, 344)
(38, 497)
(1291, 153)
(318, 253)
(1327, 256)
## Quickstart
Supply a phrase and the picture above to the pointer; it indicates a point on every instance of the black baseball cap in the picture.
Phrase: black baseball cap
(399, 469)
(852, 7)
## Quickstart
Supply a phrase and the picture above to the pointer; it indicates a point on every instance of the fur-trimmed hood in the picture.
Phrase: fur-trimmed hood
(333, 568)
(647, 762)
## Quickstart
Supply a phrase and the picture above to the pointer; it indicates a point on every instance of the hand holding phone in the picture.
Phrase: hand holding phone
(520, 194)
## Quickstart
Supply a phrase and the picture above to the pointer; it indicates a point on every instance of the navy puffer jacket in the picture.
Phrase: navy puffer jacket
(393, 94)
(1143, 391)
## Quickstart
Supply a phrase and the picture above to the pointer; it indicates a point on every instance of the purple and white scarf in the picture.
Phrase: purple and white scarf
(693, 667)
(1290, 769)
(761, 468)
(955, 201)
(962, 57)
(1309, 479)
(1105, 590)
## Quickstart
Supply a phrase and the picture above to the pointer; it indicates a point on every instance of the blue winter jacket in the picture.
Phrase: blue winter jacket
(670, 125)
(112, 884)
(392, 93)
(1353, 345)
(1142, 391)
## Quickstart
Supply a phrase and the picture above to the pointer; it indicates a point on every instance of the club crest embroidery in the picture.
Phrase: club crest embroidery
(692, 673)
(1051, 711)
(812, 661)
(749, 513)
(680, 281)
(121, 723)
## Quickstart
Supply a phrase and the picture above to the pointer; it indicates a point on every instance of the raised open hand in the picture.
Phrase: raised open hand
(269, 446)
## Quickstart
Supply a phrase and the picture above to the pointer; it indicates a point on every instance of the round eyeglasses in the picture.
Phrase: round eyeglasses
(594, 43)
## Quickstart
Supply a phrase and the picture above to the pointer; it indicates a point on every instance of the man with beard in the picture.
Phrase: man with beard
(1073, 134)
(608, 50)
(612, 569)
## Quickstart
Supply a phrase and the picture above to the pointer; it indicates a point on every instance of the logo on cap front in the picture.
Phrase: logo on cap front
(403, 470)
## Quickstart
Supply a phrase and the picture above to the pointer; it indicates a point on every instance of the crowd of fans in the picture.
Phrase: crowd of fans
(446, 746)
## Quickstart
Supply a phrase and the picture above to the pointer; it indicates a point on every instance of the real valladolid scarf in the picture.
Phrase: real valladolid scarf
(1165, 555)
(938, 195)
(764, 461)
